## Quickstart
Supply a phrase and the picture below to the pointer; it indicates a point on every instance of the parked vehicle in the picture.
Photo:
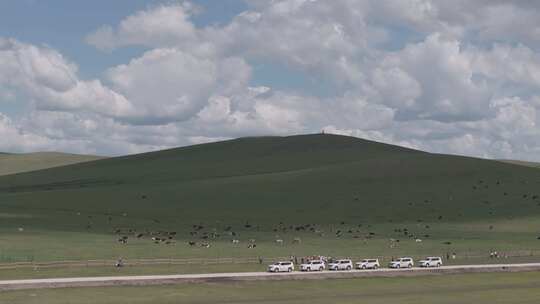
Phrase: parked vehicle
(430, 262)
(281, 267)
(402, 263)
(341, 265)
(313, 265)
(368, 264)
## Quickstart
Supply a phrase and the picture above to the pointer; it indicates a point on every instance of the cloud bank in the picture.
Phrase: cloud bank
(453, 77)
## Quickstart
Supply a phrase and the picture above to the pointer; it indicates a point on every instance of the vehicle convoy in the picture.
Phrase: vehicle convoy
(368, 264)
(347, 264)
(405, 262)
(430, 262)
(313, 265)
(281, 267)
(340, 265)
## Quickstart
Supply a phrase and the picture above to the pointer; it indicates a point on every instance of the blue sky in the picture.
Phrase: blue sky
(120, 77)
(63, 24)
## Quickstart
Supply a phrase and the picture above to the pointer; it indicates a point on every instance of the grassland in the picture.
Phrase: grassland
(522, 163)
(308, 187)
(522, 288)
(17, 163)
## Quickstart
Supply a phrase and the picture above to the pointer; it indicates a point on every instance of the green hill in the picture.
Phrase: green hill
(521, 163)
(18, 163)
(339, 195)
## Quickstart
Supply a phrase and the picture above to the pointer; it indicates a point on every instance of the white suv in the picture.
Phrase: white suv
(315, 265)
(340, 265)
(281, 267)
(368, 264)
(431, 262)
(402, 263)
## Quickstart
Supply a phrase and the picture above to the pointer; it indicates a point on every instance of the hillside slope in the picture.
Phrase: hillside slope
(339, 189)
(18, 163)
(521, 163)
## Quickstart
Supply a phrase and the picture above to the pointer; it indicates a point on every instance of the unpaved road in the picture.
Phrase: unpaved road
(253, 276)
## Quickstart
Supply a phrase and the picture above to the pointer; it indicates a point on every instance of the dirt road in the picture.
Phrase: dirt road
(253, 276)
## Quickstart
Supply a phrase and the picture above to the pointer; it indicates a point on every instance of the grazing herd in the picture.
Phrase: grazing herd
(157, 237)
(203, 235)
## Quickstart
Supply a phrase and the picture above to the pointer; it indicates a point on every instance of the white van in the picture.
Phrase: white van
(368, 264)
(402, 263)
(430, 262)
(340, 265)
(314, 265)
(281, 267)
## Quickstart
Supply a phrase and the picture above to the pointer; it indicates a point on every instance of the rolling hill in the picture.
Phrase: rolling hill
(339, 195)
(18, 163)
(521, 163)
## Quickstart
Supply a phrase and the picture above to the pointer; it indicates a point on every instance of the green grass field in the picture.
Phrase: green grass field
(307, 187)
(516, 288)
(109, 270)
(18, 163)
(522, 163)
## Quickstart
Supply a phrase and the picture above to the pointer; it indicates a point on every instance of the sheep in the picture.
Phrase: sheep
(279, 241)
(418, 240)
(251, 246)
(235, 241)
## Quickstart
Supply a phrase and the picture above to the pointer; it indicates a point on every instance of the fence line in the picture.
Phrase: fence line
(227, 260)
(136, 262)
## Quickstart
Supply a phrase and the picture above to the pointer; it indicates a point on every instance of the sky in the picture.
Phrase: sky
(122, 77)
